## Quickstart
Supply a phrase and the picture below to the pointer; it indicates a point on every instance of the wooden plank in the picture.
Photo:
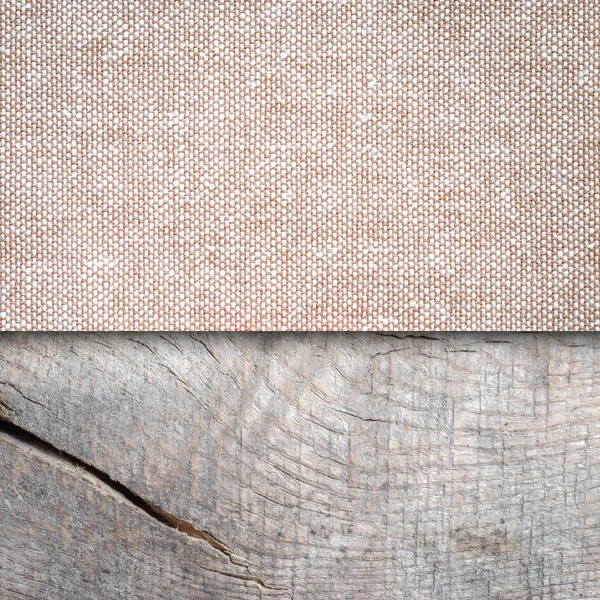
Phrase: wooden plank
(69, 534)
(330, 465)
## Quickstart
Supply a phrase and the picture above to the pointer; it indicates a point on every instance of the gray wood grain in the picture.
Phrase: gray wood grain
(356, 466)
(68, 535)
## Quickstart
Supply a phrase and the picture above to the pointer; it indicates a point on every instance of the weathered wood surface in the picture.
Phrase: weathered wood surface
(350, 466)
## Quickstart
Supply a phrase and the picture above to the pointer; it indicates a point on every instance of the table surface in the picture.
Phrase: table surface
(350, 466)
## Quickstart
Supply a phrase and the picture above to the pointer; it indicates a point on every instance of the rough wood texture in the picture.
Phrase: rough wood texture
(317, 466)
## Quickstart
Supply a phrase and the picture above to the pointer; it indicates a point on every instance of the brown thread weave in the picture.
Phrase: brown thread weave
(320, 165)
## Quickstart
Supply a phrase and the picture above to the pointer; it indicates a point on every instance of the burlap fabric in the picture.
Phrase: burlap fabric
(414, 165)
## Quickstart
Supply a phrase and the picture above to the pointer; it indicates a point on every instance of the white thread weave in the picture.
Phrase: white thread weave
(414, 165)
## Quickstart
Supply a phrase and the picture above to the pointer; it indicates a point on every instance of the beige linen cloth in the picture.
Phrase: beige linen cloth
(321, 165)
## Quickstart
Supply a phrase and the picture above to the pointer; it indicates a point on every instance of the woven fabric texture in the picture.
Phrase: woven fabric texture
(300, 165)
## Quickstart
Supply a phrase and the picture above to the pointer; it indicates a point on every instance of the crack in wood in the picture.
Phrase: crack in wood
(413, 336)
(164, 518)
(16, 389)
